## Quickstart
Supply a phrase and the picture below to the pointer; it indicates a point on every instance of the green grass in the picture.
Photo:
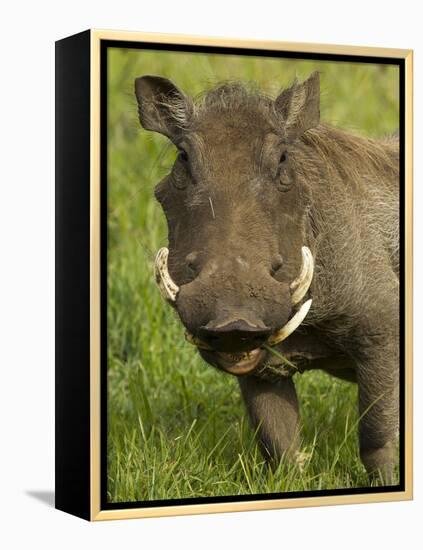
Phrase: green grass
(176, 427)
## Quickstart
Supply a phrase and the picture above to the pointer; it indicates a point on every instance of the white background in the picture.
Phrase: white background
(28, 32)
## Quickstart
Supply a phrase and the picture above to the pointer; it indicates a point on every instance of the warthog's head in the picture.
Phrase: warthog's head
(238, 268)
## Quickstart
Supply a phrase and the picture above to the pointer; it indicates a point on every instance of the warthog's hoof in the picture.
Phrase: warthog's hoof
(380, 463)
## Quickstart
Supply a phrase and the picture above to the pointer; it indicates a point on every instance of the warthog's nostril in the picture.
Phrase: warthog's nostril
(276, 264)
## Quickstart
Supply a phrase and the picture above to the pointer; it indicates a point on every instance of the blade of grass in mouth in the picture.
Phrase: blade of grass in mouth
(279, 356)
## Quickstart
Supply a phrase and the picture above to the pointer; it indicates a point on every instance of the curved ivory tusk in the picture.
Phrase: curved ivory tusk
(291, 325)
(168, 288)
(302, 283)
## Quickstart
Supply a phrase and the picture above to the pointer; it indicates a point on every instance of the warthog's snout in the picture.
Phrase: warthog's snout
(231, 333)
(234, 335)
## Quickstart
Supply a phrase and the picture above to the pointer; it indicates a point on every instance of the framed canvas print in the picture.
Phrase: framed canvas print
(233, 275)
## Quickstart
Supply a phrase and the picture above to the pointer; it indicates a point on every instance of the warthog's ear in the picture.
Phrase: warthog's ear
(299, 106)
(162, 107)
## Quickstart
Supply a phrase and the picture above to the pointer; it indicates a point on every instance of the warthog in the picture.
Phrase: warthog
(283, 235)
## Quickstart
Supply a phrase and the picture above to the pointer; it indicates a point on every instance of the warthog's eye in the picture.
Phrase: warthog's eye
(181, 172)
(284, 180)
(183, 155)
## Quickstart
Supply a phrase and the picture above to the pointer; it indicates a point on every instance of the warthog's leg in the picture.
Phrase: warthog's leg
(273, 410)
(378, 381)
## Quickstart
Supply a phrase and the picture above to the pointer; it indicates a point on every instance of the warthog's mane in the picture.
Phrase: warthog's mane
(225, 96)
(370, 169)
(352, 155)
(363, 175)
(233, 95)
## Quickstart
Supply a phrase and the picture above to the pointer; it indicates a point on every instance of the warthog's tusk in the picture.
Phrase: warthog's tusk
(168, 288)
(291, 325)
(302, 283)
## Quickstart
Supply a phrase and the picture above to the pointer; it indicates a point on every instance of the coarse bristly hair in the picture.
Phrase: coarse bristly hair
(224, 96)
(363, 176)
